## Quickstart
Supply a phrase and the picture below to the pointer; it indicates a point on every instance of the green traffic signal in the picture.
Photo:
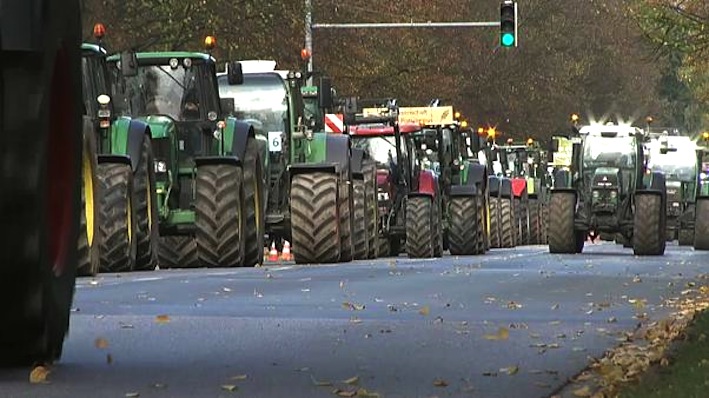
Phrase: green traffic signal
(508, 39)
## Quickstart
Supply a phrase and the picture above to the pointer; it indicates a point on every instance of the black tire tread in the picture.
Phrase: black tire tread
(464, 230)
(90, 253)
(219, 215)
(178, 252)
(359, 229)
(254, 229)
(562, 237)
(315, 218)
(147, 235)
(648, 229)
(117, 250)
(701, 224)
(420, 230)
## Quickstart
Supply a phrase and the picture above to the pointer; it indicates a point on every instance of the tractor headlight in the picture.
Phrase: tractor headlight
(381, 196)
(614, 194)
(596, 194)
(160, 166)
(675, 204)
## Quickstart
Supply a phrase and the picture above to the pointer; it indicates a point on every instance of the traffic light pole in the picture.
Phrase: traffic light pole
(309, 26)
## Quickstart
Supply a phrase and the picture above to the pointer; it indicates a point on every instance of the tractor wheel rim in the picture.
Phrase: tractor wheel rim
(88, 173)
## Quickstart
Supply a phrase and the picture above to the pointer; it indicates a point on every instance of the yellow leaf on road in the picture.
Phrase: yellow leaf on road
(162, 319)
(585, 391)
(240, 377)
(101, 343)
(352, 380)
(440, 383)
(39, 375)
(229, 387)
(425, 310)
(502, 334)
(510, 370)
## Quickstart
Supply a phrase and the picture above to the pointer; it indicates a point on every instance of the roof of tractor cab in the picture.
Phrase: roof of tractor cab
(158, 56)
(610, 129)
(94, 48)
(382, 130)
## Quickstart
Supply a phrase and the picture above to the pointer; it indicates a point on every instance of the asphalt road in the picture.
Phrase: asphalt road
(512, 323)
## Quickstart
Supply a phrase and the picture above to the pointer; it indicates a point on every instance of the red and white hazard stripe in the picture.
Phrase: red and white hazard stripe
(334, 123)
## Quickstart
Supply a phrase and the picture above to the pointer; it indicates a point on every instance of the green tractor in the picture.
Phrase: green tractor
(606, 188)
(469, 203)
(120, 208)
(309, 175)
(206, 165)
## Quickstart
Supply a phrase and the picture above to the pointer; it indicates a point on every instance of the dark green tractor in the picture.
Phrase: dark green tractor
(120, 208)
(309, 174)
(206, 165)
(606, 188)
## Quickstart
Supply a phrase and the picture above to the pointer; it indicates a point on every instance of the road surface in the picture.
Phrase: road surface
(513, 323)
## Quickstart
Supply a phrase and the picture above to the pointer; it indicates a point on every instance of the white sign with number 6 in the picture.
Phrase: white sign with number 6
(275, 140)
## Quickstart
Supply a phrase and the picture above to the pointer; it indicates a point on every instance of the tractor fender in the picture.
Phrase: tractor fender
(477, 175)
(356, 163)
(519, 187)
(240, 132)
(654, 182)
(338, 151)
(122, 159)
(506, 188)
(494, 183)
(464, 190)
(127, 139)
(427, 183)
(562, 179)
(214, 160)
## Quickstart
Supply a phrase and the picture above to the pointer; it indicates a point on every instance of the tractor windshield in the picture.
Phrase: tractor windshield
(380, 148)
(162, 90)
(602, 151)
(95, 82)
(261, 100)
(677, 164)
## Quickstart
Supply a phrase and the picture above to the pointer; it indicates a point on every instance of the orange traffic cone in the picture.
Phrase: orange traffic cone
(286, 255)
(273, 254)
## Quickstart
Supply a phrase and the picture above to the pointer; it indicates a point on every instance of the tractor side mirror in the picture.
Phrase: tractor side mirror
(553, 145)
(350, 110)
(227, 106)
(235, 74)
(129, 64)
(325, 93)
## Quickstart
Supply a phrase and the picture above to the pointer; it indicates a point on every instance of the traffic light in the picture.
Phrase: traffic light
(508, 23)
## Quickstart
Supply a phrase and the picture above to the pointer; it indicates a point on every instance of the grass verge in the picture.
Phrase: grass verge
(686, 372)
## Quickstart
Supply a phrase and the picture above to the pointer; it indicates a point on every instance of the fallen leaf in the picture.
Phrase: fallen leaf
(555, 323)
(425, 310)
(342, 393)
(514, 306)
(352, 307)
(226, 289)
(502, 334)
(440, 383)
(320, 383)
(240, 377)
(585, 391)
(664, 362)
(490, 374)
(229, 387)
(342, 284)
(612, 320)
(362, 393)
(109, 359)
(355, 320)
(637, 279)
(125, 325)
(132, 394)
(39, 375)
(162, 319)
(352, 380)
(510, 370)
(101, 343)
(305, 369)
(555, 307)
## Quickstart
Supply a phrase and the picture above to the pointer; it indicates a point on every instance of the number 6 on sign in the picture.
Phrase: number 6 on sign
(274, 141)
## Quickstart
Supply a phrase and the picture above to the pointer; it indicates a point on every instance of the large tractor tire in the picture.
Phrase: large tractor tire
(315, 218)
(254, 202)
(118, 227)
(89, 232)
(40, 147)
(544, 222)
(359, 228)
(438, 238)
(464, 229)
(483, 244)
(372, 208)
(146, 209)
(508, 234)
(420, 228)
(701, 224)
(649, 235)
(562, 237)
(345, 205)
(495, 224)
(219, 215)
(535, 222)
(178, 252)
(521, 222)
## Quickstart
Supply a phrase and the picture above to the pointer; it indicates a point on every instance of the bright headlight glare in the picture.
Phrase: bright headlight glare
(160, 167)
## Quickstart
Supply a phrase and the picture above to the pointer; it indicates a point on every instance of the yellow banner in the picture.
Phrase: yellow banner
(429, 116)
